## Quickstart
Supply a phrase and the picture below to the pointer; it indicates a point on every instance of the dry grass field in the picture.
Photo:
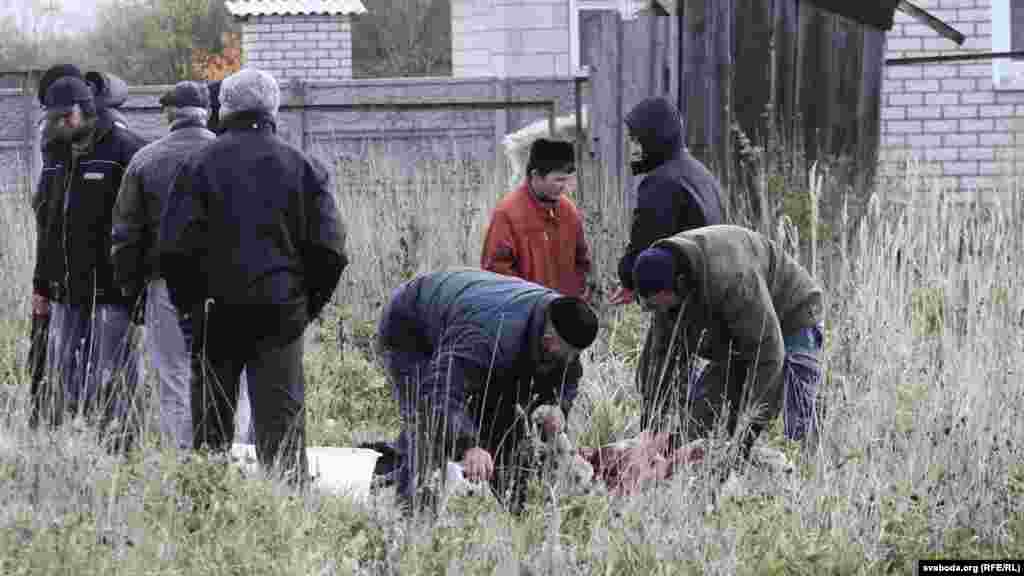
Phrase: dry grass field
(921, 455)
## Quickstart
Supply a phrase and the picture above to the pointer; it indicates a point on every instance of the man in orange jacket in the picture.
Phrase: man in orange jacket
(536, 233)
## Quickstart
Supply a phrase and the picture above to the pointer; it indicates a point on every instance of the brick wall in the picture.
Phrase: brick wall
(510, 38)
(307, 47)
(949, 115)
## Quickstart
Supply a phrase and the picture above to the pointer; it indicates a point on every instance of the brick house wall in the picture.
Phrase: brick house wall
(510, 38)
(303, 46)
(950, 115)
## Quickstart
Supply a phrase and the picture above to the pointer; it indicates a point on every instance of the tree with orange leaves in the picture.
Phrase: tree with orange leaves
(212, 66)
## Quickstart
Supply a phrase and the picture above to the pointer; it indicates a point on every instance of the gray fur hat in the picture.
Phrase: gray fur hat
(249, 90)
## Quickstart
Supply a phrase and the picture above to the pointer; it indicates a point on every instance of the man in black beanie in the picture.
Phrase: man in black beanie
(465, 349)
(91, 362)
(536, 233)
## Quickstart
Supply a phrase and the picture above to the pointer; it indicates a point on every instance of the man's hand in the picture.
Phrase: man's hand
(552, 424)
(477, 465)
(40, 305)
(623, 296)
(644, 461)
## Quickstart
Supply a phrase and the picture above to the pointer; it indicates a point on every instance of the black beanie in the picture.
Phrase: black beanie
(52, 74)
(574, 321)
(546, 156)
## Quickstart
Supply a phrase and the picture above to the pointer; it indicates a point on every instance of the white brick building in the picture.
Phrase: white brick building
(959, 117)
(298, 39)
(518, 38)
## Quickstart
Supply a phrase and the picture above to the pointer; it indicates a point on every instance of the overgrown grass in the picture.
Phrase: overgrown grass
(920, 454)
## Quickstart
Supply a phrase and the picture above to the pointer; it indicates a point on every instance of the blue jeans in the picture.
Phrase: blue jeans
(93, 361)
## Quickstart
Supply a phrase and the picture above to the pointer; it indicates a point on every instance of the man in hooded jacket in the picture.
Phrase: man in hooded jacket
(677, 192)
(252, 247)
(90, 337)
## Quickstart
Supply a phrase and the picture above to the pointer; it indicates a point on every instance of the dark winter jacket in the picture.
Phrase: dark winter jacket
(677, 193)
(251, 223)
(144, 191)
(483, 332)
(73, 205)
(744, 294)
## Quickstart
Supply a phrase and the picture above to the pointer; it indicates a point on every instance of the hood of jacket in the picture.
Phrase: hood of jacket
(657, 126)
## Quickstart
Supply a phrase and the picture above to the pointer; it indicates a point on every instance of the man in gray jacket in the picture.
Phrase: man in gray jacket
(136, 222)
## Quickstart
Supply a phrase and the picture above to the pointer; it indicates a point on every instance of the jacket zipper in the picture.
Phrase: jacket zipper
(67, 202)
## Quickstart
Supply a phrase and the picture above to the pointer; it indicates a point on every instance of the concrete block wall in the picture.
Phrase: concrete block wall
(510, 38)
(949, 115)
(305, 47)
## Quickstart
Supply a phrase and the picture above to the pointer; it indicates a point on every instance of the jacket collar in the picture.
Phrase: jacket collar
(181, 123)
(546, 210)
(242, 121)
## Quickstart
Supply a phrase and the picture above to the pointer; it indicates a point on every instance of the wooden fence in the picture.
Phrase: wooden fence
(803, 82)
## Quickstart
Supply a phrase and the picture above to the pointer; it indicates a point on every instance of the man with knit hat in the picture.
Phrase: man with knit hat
(40, 303)
(136, 222)
(465, 350)
(91, 357)
(536, 232)
(252, 247)
(737, 298)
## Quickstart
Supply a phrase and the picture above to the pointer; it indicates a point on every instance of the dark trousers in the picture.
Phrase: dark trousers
(276, 386)
(39, 336)
(92, 369)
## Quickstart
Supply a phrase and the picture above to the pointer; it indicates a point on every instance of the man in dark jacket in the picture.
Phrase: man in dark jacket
(90, 348)
(40, 304)
(143, 194)
(733, 296)
(463, 348)
(252, 247)
(109, 92)
(677, 193)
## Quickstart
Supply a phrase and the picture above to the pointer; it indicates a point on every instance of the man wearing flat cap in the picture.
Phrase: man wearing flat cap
(536, 233)
(91, 356)
(464, 349)
(736, 297)
(141, 199)
(252, 247)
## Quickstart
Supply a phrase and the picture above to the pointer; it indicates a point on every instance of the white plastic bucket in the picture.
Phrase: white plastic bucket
(341, 471)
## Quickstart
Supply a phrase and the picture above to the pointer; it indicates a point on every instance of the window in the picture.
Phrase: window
(1007, 35)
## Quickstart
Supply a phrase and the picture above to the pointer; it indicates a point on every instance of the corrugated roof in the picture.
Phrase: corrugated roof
(268, 7)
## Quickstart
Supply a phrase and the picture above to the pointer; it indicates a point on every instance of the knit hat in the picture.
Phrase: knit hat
(65, 92)
(574, 321)
(52, 74)
(546, 156)
(249, 90)
(187, 95)
(654, 271)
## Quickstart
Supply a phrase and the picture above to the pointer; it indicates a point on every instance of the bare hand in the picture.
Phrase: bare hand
(477, 465)
(623, 296)
(552, 424)
(40, 305)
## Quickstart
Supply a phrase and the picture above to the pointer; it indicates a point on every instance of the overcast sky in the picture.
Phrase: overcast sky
(70, 14)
